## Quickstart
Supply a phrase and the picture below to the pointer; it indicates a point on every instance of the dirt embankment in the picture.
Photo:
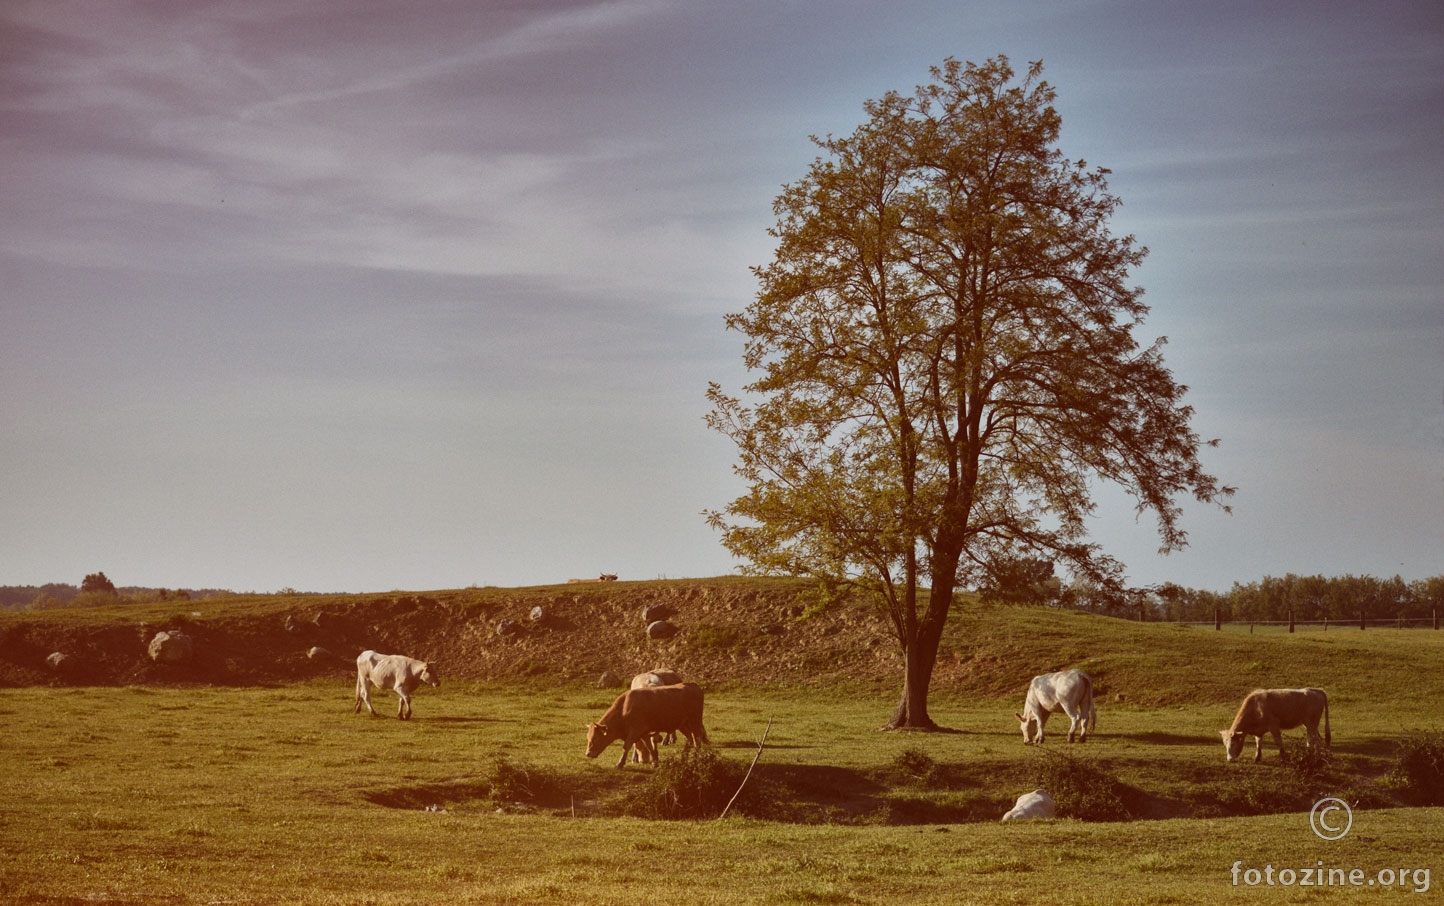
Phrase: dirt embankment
(727, 630)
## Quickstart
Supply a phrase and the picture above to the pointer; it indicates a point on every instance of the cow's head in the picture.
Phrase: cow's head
(430, 675)
(1030, 726)
(599, 736)
(1232, 743)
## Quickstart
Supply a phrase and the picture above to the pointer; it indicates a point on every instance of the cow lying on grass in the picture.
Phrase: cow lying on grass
(638, 713)
(1271, 710)
(391, 671)
(1037, 804)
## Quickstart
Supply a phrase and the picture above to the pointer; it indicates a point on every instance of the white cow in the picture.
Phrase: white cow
(1037, 804)
(659, 677)
(1069, 691)
(392, 671)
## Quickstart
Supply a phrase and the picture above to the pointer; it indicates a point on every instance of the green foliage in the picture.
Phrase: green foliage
(97, 583)
(1418, 771)
(1083, 788)
(508, 783)
(696, 784)
(945, 362)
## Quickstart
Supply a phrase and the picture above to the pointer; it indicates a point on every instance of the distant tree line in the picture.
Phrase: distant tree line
(95, 588)
(1305, 599)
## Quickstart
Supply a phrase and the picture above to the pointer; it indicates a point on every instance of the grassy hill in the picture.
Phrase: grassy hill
(767, 632)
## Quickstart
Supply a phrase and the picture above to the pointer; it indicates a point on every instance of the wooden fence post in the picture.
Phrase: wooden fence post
(1362, 625)
(1218, 619)
(1436, 618)
(1291, 619)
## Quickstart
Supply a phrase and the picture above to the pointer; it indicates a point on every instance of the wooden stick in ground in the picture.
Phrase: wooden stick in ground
(760, 743)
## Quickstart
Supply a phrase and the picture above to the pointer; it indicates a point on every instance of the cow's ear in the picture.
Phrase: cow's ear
(1020, 717)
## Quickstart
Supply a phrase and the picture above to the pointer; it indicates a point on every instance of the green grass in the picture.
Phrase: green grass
(282, 795)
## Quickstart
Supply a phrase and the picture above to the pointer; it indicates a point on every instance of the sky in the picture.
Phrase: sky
(368, 296)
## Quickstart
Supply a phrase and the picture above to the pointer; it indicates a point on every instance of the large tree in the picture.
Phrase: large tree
(945, 363)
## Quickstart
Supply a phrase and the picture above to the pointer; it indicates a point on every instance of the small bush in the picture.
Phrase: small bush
(914, 767)
(508, 783)
(1308, 764)
(1304, 775)
(696, 784)
(1083, 789)
(1258, 792)
(1418, 771)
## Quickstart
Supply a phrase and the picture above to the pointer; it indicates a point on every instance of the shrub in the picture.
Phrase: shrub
(914, 763)
(696, 784)
(1083, 789)
(508, 783)
(1308, 764)
(1304, 775)
(1418, 771)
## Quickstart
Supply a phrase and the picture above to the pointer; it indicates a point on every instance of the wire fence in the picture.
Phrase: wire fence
(1328, 625)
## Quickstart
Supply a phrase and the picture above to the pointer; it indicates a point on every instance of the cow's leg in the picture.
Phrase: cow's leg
(363, 692)
(403, 710)
(646, 750)
(626, 747)
(1075, 720)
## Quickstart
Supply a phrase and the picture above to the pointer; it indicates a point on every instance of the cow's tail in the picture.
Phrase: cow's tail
(1328, 737)
(1092, 713)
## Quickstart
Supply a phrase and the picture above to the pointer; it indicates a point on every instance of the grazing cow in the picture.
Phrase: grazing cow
(659, 677)
(604, 577)
(638, 713)
(392, 671)
(1069, 691)
(1271, 710)
(1037, 804)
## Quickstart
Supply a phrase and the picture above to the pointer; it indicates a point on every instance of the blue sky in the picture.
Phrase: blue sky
(359, 296)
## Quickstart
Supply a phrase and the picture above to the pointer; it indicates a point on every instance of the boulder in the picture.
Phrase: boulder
(654, 612)
(610, 680)
(507, 628)
(60, 662)
(173, 647)
(538, 614)
(660, 629)
(319, 654)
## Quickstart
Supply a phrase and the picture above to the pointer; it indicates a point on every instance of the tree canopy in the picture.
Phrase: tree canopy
(945, 362)
(98, 583)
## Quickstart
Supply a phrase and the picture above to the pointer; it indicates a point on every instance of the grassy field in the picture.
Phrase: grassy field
(283, 795)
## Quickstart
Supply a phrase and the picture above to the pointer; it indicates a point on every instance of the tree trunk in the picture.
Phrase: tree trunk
(912, 710)
(920, 654)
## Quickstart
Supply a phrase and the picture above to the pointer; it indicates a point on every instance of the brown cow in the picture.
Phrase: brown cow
(662, 676)
(638, 713)
(1271, 710)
